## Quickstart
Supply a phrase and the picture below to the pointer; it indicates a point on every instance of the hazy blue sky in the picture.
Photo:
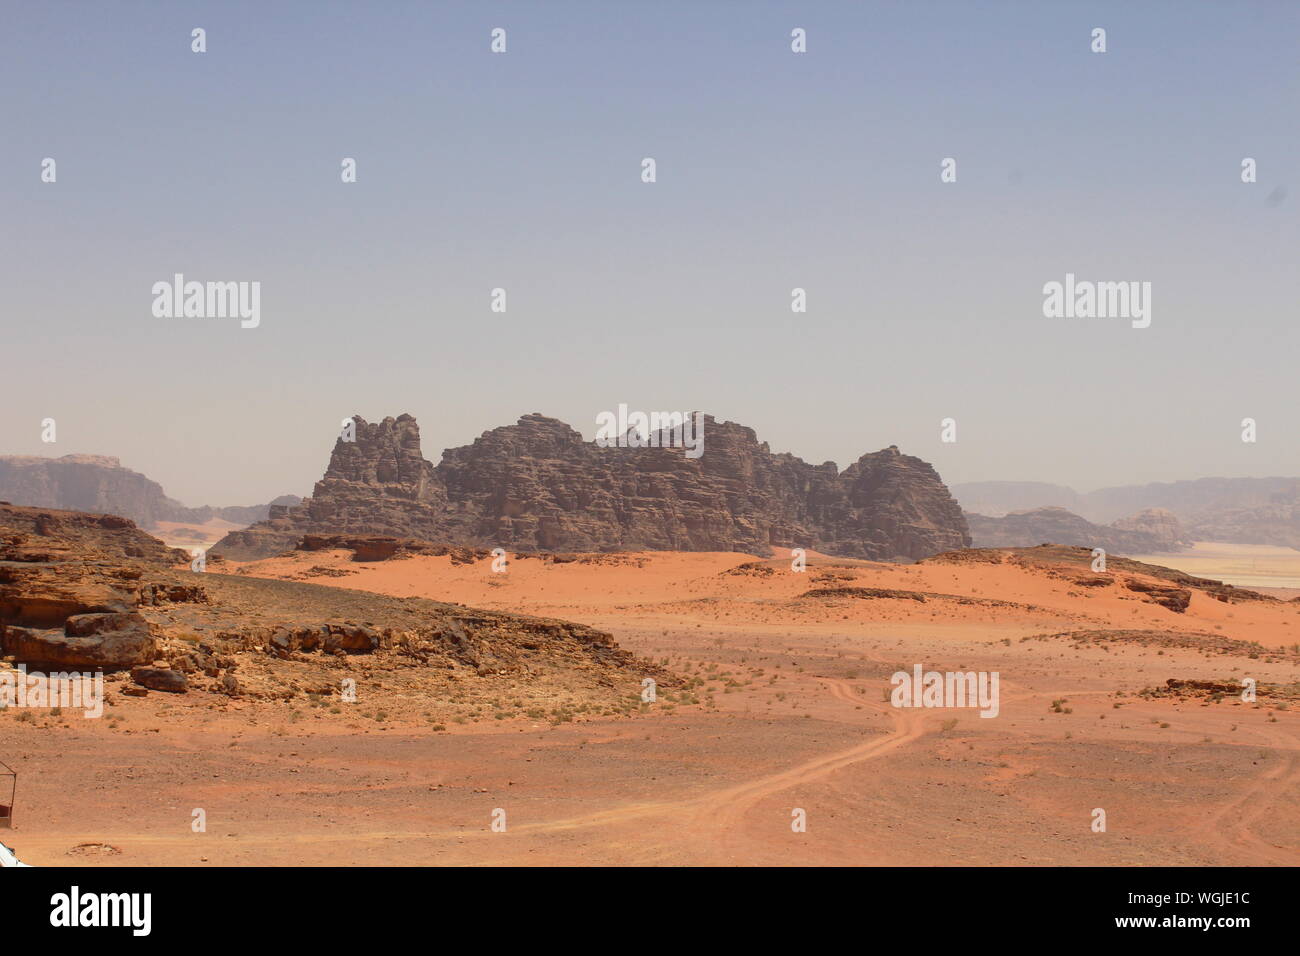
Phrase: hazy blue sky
(775, 170)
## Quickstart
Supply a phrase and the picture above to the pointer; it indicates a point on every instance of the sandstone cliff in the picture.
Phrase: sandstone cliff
(538, 486)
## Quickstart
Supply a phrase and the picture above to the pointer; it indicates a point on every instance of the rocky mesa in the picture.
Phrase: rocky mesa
(538, 485)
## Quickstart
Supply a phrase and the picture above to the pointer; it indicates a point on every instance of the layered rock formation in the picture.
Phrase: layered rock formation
(98, 483)
(1148, 531)
(538, 486)
(70, 587)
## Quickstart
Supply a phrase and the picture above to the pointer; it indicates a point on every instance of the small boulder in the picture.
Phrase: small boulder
(108, 651)
(352, 639)
(160, 678)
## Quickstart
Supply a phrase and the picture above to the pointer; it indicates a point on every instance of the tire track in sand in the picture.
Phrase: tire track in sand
(1231, 825)
(714, 817)
(722, 812)
(724, 807)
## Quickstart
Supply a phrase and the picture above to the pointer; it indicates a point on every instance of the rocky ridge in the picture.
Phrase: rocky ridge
(538, 486)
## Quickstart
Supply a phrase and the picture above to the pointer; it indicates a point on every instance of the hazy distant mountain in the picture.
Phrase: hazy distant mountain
(1150, 531)
(99, 483)
(997, 498)
(1241, 510)
(1183, 498)
(1276, 524)
(1189, 499)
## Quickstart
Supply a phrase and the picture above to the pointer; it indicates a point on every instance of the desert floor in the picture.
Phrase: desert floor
(785, 708)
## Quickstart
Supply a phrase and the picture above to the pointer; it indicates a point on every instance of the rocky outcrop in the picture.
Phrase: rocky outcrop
(99, 483)
(538, 486)
(36, 535)
(70, 584)
(1150, 531)
(1176, 599)
(83, 592)
(378, 485)
(110, 650)
(383, 547)
(160, 678)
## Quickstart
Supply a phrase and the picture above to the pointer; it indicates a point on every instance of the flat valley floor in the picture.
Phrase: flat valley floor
(783, 707)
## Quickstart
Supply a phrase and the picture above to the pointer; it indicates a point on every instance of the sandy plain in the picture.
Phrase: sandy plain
(784, 708)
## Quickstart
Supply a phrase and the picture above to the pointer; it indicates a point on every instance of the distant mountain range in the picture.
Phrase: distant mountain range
(538, 485)
(98, 483)
(1240, 510)
(1150, 531)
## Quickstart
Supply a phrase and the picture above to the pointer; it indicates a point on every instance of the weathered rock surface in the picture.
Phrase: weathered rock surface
(538, 486)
